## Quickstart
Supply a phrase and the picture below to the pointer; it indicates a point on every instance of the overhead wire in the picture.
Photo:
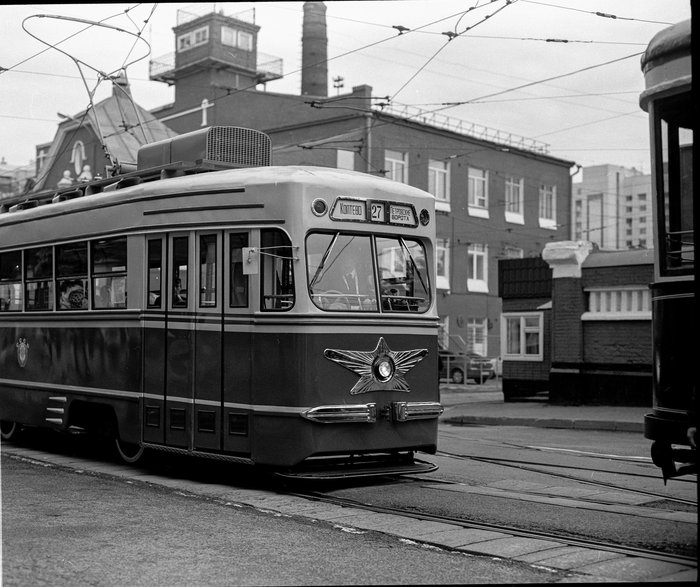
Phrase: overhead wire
(481, 99)
(596, 13)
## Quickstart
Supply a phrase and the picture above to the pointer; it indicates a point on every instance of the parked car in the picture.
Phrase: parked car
(454, 366)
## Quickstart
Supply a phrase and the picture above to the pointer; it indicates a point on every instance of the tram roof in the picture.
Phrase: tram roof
(667, 44)
(338, 182)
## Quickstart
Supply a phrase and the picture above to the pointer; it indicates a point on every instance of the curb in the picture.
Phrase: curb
(564, 423)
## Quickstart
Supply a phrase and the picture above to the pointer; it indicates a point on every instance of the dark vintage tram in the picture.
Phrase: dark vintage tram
(210, 304)
(668, 99)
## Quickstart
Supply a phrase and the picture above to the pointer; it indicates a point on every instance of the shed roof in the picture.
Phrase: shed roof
(615, 258)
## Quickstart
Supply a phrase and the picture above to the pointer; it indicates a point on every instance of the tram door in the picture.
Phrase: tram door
(207, 342)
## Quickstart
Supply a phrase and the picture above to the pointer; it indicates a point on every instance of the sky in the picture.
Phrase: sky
(552, 71)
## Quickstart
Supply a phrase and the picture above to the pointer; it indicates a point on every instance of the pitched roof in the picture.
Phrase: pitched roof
(123, 125)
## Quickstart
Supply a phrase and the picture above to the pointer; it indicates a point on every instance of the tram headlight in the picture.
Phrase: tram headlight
(319, 207)
(383, 369)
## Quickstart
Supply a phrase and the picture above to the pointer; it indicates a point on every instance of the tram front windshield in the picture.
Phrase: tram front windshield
(367, 273)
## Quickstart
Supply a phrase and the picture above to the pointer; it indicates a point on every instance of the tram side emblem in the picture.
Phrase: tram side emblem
(381, 369)
(22, 351)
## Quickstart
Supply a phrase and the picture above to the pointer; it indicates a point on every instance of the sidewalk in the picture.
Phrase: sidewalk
(483, 405)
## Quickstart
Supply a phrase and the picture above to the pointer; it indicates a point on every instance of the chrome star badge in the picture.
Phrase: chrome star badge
(381, 369)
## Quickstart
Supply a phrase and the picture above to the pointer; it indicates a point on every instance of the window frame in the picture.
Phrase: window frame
(442, 273)
(117, 272)
(439, 183)
(395, 161)
(475, 253)
(547, 209)
(478, 203)
(515, 216)
(524, 330)
(11, 281)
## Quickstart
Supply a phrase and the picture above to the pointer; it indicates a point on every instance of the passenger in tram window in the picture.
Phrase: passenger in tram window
(73, 295)
(179, 294)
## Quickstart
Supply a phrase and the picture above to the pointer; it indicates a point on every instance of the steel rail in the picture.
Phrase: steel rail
(521, 465)
(564, 539)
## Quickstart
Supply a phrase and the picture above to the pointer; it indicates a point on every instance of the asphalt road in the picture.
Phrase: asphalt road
(62, 526)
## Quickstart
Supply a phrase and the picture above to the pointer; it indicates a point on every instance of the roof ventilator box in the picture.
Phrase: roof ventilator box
(218, 146)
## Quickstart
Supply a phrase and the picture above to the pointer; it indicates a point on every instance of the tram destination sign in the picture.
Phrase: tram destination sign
(374, 212)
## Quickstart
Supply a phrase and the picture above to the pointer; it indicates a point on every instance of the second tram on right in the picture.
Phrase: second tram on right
(672, 424)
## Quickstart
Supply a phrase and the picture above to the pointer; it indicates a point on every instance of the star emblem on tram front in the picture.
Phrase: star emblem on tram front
(381, 369)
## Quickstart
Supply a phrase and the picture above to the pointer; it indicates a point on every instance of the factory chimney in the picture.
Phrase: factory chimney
(314, 50)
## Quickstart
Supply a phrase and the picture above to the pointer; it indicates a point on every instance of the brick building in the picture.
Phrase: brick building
(587, 340)
(498, 195)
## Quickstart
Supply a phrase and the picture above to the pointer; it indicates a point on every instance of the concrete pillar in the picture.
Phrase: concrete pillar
(568, 304)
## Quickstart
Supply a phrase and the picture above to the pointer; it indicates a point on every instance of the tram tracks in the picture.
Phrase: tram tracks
(532, 467)
(564, 539)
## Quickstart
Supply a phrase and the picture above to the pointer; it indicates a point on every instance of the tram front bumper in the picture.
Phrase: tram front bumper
(368, 413)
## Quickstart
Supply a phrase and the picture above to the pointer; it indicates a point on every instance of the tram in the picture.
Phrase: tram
(672, 424)
(209, 304)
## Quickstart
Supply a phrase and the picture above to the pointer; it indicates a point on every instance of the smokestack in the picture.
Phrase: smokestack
(314, 50)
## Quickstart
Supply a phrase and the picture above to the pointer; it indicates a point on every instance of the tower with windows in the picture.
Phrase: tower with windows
(214, 50)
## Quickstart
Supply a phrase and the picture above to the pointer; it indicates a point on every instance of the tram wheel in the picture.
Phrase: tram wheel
(129, 452)
(9, 430)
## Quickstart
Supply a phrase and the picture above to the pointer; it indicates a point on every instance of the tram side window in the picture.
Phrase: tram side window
(38, 278)
(276, 270)
(180, 271)
(11, 281)
(71, 276)
(207, 271)
(155, 270)
(675, 181)
(238, 287)
(109, 273)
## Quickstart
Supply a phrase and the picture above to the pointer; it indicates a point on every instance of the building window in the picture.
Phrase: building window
(624, 303)
(192, 39)
(515, 201)
(396, 165)
(548, 212)
(442, 263)
(521, 336)
(476, 335)
(510, 252)
(236, 38)
(345, 159)
(439, 183)
(642, 197)
(478, 192)
(477, 268)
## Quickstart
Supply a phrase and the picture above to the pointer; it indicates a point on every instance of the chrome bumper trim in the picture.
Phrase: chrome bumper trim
(341, 414)
(405, 411)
